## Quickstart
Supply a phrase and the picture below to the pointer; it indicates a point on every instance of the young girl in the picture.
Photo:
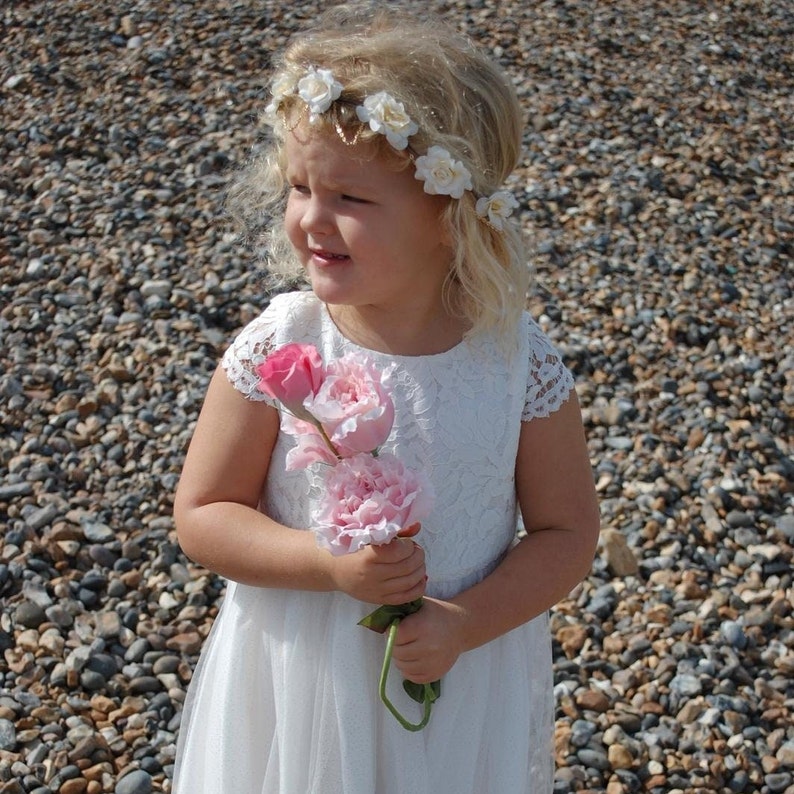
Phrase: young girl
(391, 141)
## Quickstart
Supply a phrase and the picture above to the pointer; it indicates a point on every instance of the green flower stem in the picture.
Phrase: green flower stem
(326, 438)
(429, 695)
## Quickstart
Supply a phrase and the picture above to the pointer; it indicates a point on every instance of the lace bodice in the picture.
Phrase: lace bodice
(457, 415)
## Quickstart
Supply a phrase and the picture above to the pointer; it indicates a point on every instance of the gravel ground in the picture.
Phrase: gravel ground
(657, 185)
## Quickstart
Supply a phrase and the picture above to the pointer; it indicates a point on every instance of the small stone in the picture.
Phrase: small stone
(8, 492)
(8, 734)
(29, 614)
(187, 642)
(108, 624)
(96, 532)
(597, 759)
(733, 632)
(135, 782)
(619, 557)
(43, 516)
(687, 685)
(581, 732)
(572, 638)
(785, 755)
(620, 757)
(76, 785)
(592, 700)
(778, 781)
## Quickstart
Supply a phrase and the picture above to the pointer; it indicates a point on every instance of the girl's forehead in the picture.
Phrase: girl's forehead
(326, 152)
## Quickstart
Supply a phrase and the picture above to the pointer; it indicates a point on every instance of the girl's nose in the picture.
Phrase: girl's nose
(316, 218)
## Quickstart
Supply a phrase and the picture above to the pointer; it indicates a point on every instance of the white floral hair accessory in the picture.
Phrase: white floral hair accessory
(386, 115)
(440, 172)
(282, 87)
(496, 208)
(318, 89)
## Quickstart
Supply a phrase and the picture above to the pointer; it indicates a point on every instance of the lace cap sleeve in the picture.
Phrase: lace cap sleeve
(549, 382)
(248, 350)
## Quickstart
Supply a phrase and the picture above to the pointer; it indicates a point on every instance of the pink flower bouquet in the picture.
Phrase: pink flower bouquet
(341, 414)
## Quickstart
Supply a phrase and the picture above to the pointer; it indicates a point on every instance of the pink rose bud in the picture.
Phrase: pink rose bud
(291, 374)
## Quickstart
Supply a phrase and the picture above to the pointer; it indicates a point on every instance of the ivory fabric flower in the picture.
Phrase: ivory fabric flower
(369, 500)
(386, 115)
(318, 89)
(442, 174)
(283, 86)
(497, 207)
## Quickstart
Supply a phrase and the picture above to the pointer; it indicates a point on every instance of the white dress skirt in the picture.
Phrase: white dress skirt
(284, 699)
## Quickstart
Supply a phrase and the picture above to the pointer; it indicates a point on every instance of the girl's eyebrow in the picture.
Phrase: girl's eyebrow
(334, 185)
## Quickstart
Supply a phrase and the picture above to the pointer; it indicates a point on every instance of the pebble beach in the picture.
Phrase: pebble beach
(657, 189)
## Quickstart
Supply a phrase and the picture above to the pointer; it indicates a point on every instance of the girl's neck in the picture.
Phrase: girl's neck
(435, 331)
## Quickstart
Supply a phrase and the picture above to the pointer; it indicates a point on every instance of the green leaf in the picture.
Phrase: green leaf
(385, 615)
(422, 692)
(415, 691)
(435, 688)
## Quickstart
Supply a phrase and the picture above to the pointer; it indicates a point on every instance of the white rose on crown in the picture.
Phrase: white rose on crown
(318, 89)
(442, 174)
(283, 86)
(497, 207)
(387, 116)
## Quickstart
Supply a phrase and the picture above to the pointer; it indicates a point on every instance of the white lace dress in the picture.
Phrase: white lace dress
(284, 699)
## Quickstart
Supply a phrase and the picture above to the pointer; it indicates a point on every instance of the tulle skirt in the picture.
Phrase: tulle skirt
(284, 700)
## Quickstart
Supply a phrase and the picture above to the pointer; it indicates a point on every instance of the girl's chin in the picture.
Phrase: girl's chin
(327, 288)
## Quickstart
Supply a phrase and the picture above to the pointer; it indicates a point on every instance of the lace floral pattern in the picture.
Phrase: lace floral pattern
(247, 351)
(549, 383)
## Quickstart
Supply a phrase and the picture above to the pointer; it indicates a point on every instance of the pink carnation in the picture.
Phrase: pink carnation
(369, 500)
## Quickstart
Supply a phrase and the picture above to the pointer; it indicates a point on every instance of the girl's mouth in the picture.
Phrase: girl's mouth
(325, 258)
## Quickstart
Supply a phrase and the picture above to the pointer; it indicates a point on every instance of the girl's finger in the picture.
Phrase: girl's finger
(409, 532)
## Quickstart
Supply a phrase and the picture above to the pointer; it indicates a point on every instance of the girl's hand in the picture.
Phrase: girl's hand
(429, 641)
(390, 574)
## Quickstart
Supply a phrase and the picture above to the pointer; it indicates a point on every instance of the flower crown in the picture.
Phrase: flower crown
(440, 172)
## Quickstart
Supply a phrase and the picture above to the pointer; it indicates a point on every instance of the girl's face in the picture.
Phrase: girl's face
(368, 236)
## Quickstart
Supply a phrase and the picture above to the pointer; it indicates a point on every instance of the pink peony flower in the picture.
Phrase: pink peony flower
(369, 500)
(291, 374)
(352, 405)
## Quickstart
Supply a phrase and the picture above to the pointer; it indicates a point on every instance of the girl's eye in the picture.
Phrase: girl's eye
(354, 199)
(302, 189)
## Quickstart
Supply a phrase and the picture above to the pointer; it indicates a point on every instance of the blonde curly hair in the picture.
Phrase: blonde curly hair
(460, 100)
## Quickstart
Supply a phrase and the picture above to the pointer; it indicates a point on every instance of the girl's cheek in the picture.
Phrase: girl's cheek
(292, 224)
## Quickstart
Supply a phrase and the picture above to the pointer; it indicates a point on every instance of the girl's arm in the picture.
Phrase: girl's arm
(555, 489)
(219, 526)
